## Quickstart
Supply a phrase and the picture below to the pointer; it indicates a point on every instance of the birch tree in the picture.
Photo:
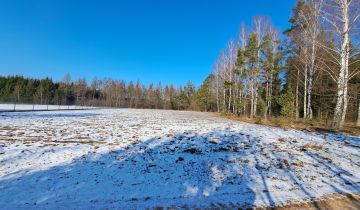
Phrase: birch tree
(216, 73)
(305, 33)
(342, 16)
(230, 57)
(311, 26)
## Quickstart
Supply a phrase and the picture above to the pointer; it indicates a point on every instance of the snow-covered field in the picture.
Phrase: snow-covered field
(30, 107)
(136, 159)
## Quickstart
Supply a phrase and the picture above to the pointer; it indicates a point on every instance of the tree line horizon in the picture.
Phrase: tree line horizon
(100, 92)
(312, 73)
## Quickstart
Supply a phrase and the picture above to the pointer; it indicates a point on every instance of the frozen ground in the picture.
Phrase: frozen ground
(29, 107)
(125, 159)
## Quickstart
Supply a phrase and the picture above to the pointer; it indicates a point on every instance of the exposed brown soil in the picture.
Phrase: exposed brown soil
(329, 202)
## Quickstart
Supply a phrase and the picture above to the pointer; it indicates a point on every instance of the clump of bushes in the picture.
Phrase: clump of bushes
(280, 122)
(258, 120)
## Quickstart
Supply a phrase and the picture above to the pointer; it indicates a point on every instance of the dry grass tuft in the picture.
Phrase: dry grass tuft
(282, 140)
(315, 147)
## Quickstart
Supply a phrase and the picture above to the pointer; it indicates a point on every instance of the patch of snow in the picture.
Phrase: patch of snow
(125, 158)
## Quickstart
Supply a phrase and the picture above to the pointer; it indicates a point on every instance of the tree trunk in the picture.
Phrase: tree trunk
(340, 105)
(266, 99)
(217, 93)
(14, 103)
(311, 72)
(245, 104)
(252, 99)
(255, 100)
(234, 99)
(230, 91)
(358, 118)
(309, 90)
(229, 103)
(305, 92)
(342, 93)
(297, 96)
(343, 116)
(244, 98)
(270, 94)
(311, 76)
(93, 97)
(41, 96)
(224, 102)
(18, 94)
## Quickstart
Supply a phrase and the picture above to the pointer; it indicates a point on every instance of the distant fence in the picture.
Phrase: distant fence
(40, 107)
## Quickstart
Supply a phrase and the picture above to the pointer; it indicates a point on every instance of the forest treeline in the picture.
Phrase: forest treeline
(100, 93)
(311, 72)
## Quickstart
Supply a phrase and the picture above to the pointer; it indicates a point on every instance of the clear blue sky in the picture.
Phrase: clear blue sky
(171, 41)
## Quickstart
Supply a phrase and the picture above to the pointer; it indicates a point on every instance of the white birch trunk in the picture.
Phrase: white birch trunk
(252, 97)
(305, 91)
(217, 93)
(230, 93)
(342, 100)
(236, 94)
(224, 102)
(311, 74)
(309, 91)
(358, 118)
(297, 96)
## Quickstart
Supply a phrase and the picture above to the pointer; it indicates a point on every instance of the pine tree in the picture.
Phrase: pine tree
(286, 101)
(253, 60)
(204, 96)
